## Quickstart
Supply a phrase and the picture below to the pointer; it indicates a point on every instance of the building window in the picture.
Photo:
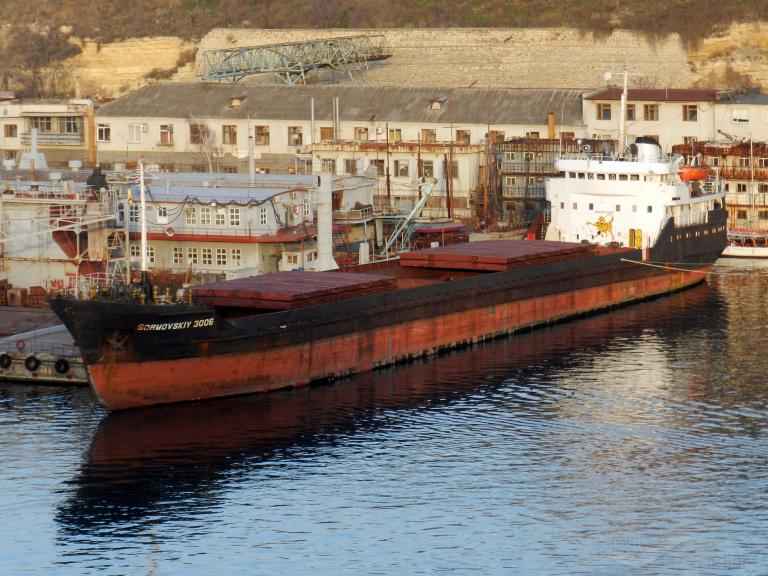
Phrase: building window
(762, 162)
(567, 135)
(603, 111)
(307, 208)
(11, 131)
(762, 188)
(650, 209)
(509, 156)
(44, 125)
(462, 136)
(630, 111)
(401, 168)
(178, 255)
(361, 133)
(263, 216)
(162, 215)
(135, 251)
(741, 214)
(528, 156)
(744, 162)
(510, 181)
(618, 207)
(428, 168)
(452, 169)
(134, 133)
(207, 254)
(234, 216)
(379, 165)
(103, 133)
(713, 160)
(741, 187)
(689, 140)
(70, 124)
(192, 255)
(260, 135)
(326, 133)
(428, 135)
(329, 165)
(762, 214)
(575, 206)
(739, 116)
(532, 135)
(229, 134)
(191, 215)
(151, 254)
(237, 257)
(496, 136)
(205, 216)
(221, 217)
(350, 166)
(133, 213)
(690, 112)
(221, 256)
(198, 133)
(166, 134)
(295, 136)
(395, 134)
(651, 112)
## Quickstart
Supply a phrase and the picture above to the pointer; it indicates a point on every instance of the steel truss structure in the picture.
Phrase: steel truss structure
(293, 61)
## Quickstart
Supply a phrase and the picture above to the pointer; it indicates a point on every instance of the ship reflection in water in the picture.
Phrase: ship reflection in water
(625, 443)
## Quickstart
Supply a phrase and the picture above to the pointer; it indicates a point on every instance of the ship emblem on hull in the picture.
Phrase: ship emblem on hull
(603, 226)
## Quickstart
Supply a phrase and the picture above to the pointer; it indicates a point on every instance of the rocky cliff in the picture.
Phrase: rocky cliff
(496, 57)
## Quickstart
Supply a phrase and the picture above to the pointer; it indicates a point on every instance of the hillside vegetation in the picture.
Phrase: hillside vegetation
(38, 34)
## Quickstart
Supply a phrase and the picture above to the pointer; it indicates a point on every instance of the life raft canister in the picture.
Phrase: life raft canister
(693, 173)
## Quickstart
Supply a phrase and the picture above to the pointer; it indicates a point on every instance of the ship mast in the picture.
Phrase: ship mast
(143, 210)
(623, 116)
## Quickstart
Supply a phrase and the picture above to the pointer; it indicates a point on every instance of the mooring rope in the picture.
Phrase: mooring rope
(667, 267)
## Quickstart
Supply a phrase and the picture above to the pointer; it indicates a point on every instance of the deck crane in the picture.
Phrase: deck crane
(404, 226)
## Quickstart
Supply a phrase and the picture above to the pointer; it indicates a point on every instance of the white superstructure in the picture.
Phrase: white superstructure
(629, 199)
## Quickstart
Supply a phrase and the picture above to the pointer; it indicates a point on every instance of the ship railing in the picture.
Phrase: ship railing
(35, 347)
(691, 219)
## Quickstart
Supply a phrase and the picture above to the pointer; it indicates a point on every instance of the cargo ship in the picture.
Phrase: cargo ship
(622, 229)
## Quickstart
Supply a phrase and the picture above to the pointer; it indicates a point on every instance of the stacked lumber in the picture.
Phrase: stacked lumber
(289, 290)
(496, 255)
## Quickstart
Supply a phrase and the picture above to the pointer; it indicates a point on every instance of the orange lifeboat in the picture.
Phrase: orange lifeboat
(690, 173)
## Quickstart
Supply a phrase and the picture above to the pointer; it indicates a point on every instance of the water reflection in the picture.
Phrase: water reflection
(152, 466)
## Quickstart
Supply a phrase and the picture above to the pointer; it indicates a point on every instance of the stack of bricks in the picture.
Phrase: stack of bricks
(36, 297)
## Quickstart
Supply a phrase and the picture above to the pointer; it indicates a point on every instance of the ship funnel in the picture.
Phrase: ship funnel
(647, 150)
(325, 259)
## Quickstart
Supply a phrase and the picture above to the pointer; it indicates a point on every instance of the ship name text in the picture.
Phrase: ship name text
(201, 323)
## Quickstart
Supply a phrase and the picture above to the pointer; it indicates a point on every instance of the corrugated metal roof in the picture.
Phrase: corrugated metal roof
(653, 95)
(357, 103)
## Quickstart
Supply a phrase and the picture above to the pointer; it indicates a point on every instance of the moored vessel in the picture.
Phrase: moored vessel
(622, 229)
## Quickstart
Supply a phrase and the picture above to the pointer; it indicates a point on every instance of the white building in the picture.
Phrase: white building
(226, 225)
(64, 131)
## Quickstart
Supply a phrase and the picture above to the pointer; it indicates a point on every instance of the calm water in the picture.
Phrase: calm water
(632, 442)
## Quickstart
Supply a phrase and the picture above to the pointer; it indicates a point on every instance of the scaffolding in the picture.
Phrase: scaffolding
(293, 61)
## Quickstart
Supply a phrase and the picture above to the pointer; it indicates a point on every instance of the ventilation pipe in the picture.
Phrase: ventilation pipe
(325, 259)
(251, 159)
(551, 125)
